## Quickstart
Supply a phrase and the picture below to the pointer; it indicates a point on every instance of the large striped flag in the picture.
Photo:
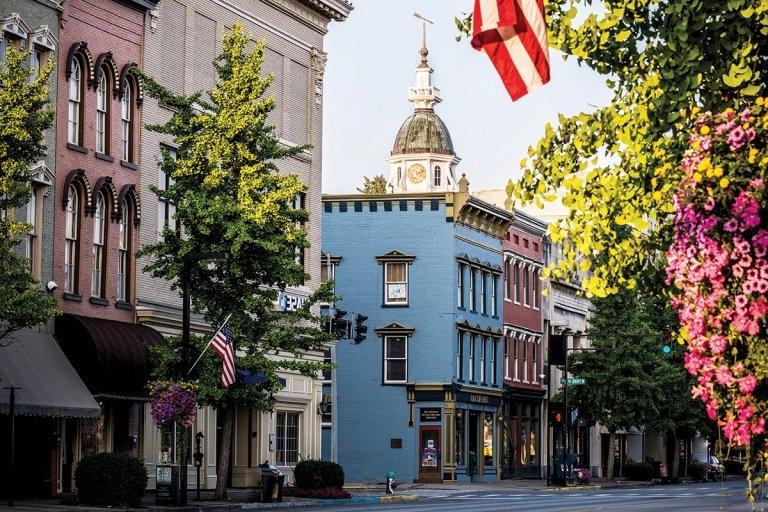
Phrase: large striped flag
(222, 345)
(514, 35)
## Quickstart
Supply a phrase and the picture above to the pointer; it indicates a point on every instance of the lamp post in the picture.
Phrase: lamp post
(12, 419)
(185, 314)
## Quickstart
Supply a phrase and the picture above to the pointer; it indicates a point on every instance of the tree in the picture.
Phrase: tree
(619, 393)
(231, 198)
(375, 185)
(663, 59)
(25, 114)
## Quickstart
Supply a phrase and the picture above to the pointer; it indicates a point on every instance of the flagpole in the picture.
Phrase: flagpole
(208, 345)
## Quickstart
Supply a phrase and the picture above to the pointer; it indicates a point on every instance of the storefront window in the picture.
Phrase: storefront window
(460, 438)
(488, 438)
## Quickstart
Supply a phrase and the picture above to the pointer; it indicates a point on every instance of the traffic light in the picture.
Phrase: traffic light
(666, 339)
(340, 326)
(360, 328)
(556, 414)
(557, 349)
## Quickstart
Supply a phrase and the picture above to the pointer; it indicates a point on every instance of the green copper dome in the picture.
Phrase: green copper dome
(423, 132)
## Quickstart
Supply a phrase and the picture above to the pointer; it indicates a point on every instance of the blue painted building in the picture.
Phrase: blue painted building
(422, 394)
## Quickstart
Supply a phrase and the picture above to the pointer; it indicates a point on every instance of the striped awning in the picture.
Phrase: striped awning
(47, 383)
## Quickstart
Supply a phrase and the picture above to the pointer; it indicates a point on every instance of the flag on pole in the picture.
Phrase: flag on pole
(222, 345)
(514, 35)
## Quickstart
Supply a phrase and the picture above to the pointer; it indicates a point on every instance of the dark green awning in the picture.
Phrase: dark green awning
(49, 384)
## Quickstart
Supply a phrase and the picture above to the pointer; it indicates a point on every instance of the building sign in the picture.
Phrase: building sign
(479, 399)
(290, 302)
(430, 414)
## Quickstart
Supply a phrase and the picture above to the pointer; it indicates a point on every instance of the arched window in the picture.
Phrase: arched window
(71, 230)
(99, 240)
(102, 113)
(124, 254)
(127, 124)
(438, 176)
(75, 103)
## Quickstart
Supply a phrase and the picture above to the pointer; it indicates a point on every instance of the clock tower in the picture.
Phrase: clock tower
(422, 158)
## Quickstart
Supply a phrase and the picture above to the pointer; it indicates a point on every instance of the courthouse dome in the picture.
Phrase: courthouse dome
(423, 132)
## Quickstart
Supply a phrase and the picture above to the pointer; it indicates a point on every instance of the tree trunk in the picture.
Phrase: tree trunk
(225, 448)
(675, 456)
(611, 448)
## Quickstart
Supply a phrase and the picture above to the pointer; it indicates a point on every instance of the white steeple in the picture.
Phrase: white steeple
(422, 94)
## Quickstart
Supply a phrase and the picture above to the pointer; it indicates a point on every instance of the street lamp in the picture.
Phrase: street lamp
(185, 314)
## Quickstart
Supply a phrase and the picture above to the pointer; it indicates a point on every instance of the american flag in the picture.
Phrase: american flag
(222, 345)
(514, 35)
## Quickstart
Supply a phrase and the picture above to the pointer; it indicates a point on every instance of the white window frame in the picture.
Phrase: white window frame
(506, 355)
(123, 254)
(536, 290)
(526, 286)
(534, 360)
(33, 235)
(281, 437)
(483, 301)
(388, 358)
(525, 358)
(126, 119)
(494, 305)
(494, 346)
(483, 356)
(506, 279)
(516, 282)
(75, 102)
(515, 357)
(166, 209)
(460, 285)
(394, 301)
(460, 356)
(102, 118)
(438, 176)
(99, 246)
(472, 287)
(472, 345)
(71, 233)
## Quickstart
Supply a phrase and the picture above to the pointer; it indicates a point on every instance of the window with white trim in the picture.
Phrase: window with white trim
(472, 288)
(535, 361)
(99, 241)
(507, 341)
(126, 119)
(526, 286)
(494, 305)
(438, 176)
(460, 356)
(33, 235)
(483, 301)
(494, 345)
(483, 356)
(75, 103)
(506, 278)
(515, 358)
(395, 359)
(525, 358)
(516, 281)
(71, 232)
(471, 357)
(287, 438)
(536, 290)
(166, 210)
(396, 282)
(102, 114)
(123, 253)
(460, 285)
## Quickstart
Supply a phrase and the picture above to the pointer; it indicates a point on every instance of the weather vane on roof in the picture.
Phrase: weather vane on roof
(424, 50)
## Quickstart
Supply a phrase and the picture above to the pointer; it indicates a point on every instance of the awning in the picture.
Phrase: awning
(49, 385)
(111, 357)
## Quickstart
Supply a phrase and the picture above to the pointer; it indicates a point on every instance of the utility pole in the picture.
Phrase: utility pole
(12, 419)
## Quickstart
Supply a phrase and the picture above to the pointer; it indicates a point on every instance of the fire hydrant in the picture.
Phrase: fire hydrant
(390, 482)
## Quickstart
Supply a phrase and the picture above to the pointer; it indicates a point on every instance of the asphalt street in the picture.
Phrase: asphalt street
(691, 497)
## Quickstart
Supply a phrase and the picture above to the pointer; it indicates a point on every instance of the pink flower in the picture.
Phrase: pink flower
(731, 225)
(736, 138)
(747, 384)
(723, 376)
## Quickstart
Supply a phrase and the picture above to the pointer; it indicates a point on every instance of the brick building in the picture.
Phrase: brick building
(524, 384)
(182, 39)
(97, 217)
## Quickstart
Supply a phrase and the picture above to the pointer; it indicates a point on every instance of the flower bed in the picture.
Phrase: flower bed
(324, 493)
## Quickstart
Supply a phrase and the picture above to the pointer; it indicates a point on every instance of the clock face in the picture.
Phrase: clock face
(417, 173)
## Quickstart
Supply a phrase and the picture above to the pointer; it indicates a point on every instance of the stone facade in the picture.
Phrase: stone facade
(182, 39)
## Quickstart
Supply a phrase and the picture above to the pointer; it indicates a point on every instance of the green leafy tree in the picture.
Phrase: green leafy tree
(617, 165)
(25, 114)
(231, 198)
(375, 185)
(619, 393)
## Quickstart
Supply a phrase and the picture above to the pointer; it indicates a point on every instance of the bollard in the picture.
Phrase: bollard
(390, 482)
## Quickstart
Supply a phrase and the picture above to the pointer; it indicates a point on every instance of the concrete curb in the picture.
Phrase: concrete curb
(360, 500)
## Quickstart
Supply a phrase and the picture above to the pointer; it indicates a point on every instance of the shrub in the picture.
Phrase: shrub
(318, 474)
(697, 470)
(582, 476)
(326, 493)
(638, 470)
(115, 479)
(734, 467)
(656, 465)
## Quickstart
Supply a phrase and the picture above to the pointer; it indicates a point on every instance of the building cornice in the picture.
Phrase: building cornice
(337, 10)
(330, 198)
(529, 224)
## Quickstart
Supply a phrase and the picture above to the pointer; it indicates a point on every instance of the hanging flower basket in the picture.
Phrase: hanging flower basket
(718, 266)
(173, 402)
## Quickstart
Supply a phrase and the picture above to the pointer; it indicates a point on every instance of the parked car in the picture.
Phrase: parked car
(715, 470)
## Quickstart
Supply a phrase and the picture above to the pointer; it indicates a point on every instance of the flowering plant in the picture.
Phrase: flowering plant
(173, 402)
(582, 476)
(718, 266)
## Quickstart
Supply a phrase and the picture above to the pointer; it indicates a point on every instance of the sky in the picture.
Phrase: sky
(372, 57)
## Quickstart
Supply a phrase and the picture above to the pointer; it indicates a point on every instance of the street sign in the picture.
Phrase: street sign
(575, 381)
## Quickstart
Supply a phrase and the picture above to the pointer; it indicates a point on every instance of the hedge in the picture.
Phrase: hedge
(115, 479)
(318, 474)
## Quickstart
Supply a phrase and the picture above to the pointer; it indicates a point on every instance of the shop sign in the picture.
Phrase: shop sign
(290, 302)
(430, 414)
(479, 399)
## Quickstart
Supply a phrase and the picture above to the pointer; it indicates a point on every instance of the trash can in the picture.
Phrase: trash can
(272, 481)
